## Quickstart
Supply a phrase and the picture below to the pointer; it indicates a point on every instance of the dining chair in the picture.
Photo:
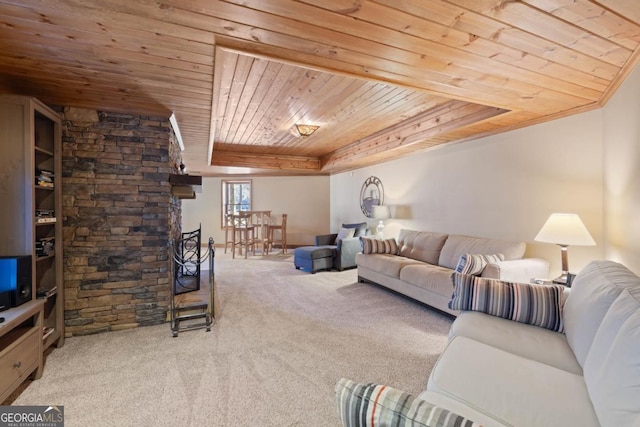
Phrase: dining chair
(228, 231)
(260, 220)
(281, 229)
(243, 234)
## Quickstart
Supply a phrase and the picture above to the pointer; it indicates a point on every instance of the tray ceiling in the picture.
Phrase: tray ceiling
(381, 78)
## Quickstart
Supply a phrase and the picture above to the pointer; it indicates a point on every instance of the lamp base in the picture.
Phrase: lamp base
(380, 230)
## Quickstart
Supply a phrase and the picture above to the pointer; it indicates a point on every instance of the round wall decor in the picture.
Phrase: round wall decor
(372, 194)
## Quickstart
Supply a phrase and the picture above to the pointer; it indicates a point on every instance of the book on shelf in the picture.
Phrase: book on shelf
(45, 220)
(44, 173)
(45, 213)
(44, 178)
(40, 183)
(45, 246)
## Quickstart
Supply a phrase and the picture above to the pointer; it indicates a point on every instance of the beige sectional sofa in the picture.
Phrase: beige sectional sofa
(499, 372)
(422, 269)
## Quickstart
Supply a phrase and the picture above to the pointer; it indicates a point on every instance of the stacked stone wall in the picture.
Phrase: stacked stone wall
(118, 217)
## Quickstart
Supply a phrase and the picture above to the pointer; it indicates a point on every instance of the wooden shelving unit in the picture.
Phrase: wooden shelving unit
(47, 196)
(31, 224)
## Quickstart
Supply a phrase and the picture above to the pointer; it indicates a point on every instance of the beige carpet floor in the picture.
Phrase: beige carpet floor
(281, 340)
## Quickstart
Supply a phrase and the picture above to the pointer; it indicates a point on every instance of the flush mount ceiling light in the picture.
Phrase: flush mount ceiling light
(305, 130)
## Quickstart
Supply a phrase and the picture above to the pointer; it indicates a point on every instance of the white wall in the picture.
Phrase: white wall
(503, 186)
(305, 200)
(622, 173)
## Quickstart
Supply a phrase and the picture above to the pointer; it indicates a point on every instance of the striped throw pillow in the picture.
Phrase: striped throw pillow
(539, 305)
(474, 264)
(375, 246)
(378, 405)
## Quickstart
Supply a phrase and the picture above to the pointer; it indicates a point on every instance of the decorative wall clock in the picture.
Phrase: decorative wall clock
(372, 194)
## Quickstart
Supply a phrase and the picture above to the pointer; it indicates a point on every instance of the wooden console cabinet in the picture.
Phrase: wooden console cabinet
(31, 224)
(20, 345)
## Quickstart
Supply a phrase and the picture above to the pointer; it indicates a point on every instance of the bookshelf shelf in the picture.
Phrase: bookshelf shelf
(43, 151)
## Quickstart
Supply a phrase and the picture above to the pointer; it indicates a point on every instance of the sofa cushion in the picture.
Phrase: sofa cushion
(513, 389)
(517, 270)
(474, 264)
(379, 405)
(612, 367)
(421, 245)
(430, 277)
(538, 305)
(377, 246)
(345, 233)
(455, 246)
(360, 228)
(389, 265)
(592, 292)
(524, 340)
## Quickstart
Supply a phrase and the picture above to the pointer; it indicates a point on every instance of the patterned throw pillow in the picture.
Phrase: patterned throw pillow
(344, 233)
(375, 246)
(474, 264)
(374, 405)
(539, 305)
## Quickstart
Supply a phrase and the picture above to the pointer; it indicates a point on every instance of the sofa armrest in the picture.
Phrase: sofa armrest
(517, 270)
(346, 253)
(326, 239)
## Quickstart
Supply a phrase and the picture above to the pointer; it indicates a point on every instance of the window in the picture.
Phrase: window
(236, 197)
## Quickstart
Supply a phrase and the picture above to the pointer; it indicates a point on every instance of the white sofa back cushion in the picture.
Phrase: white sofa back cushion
(456, 246)
(593, 291)
(612, 368)
(423, 246)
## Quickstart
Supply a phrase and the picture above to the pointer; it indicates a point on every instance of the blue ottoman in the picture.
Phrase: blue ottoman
(313, 258)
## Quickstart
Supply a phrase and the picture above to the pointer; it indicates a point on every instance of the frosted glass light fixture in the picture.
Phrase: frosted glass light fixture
(564, 229)
(305, 130)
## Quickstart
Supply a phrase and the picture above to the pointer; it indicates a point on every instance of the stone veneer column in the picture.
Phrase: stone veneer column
(118, 217)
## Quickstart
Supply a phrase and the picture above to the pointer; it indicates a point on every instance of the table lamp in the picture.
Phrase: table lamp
(381, 212)
(564, 229)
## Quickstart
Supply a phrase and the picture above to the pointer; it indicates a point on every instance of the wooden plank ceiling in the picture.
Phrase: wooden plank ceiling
(382, 78)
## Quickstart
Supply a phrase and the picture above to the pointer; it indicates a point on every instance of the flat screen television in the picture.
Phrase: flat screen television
(15, 278)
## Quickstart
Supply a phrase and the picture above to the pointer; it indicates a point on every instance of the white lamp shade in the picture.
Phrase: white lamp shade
(565, 229)
(381, 212)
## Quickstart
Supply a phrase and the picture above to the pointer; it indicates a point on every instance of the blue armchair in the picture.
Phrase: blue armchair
(345, 250)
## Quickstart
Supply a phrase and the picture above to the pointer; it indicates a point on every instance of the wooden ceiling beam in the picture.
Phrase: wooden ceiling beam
(265, 161)
(447, 117)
